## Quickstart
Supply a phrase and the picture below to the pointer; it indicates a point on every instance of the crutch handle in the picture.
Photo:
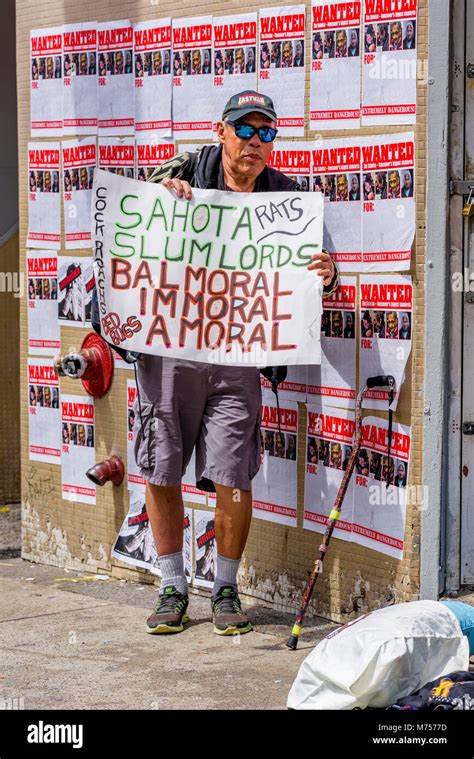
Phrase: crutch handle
(382, 380)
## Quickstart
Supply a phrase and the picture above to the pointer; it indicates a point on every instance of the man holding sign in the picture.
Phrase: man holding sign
(232, 311)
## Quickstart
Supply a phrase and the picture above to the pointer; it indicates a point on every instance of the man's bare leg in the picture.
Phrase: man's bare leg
(165, 509)
(232, 520)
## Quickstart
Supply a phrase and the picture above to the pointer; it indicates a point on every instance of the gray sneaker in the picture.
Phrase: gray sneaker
(169, 614)
(227, 613)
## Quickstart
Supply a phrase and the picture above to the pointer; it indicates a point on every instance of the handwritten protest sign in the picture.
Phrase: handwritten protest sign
(221, 278)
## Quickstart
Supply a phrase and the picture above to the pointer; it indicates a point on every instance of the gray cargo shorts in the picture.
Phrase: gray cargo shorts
(187, 404)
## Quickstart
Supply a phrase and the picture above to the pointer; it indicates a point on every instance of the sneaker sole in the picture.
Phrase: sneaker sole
(233, 630)
(164, 629)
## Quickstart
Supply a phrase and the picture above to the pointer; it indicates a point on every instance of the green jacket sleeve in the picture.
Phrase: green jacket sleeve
(181, 166)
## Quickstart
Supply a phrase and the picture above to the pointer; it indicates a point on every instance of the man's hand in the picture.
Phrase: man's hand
(324, 266)
(179, 186)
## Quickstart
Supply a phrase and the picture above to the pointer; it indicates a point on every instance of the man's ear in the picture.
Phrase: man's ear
(220, 131)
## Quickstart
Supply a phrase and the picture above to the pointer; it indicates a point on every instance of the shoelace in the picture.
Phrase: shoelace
(228, 604)
(168, 603)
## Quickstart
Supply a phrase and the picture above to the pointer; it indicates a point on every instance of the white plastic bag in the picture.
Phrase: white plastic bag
(381, 657)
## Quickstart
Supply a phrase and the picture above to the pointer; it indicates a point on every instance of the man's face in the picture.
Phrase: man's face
(341, 40)
(337, 323)
(407, 181)
(197, 59)
(394, 181)
(246, 157)
(342, 185)
(409, 31)
(392, 322)
(336, 454)
(396, 33)
(353, 39)
(387, 468)
(207, 58)
(354, 184)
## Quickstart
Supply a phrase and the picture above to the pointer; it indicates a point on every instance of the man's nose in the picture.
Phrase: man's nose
(255, 141)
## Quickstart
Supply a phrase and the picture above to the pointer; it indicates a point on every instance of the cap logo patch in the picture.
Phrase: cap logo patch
(251, 99)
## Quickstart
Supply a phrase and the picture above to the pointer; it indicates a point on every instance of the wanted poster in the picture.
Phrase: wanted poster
(386, 319)
(188, 147)
(389, 70)
(235, 58)
(192, 78)
(135, 544)
(188, 484)
(43, 412)
(294, 160)
(388, 217)
(282, 65)
(80, 79)
(205, 549)
(274, 487)
(43, 327)
(153, 76)
(335, 379)
(44, 204)
(135, 481)
(116, 106)
(293, 388)
(71, 296)
(79, 164)
(337, 176)
(78, 448)
(88, 282)
(117, 155)
(151, 152)
(329, 441)
(335, 57)
(46, 52)
(380, 512)
(120, 363)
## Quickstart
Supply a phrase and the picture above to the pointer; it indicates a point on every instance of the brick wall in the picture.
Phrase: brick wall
(277, 558)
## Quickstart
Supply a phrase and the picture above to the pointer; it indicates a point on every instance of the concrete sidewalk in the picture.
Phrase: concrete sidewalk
(69, 643)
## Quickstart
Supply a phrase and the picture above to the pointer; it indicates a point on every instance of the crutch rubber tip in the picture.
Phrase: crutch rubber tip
(292, 642)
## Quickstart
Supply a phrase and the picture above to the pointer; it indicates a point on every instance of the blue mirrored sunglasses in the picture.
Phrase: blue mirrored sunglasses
(247, 131)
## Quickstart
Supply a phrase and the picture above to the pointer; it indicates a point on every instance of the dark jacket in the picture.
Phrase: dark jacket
(203, 169)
